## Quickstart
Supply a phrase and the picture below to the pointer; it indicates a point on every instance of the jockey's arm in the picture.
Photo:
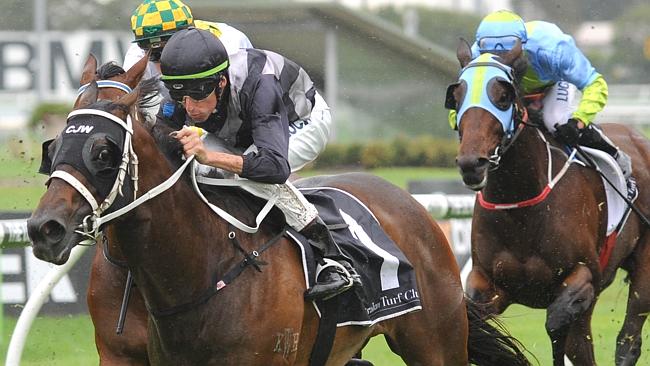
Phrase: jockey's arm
(594, 98)
(190, 138)
(270, 132)
(573, 66)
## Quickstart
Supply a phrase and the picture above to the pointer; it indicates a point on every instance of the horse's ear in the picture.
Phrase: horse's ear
(134, 74)
(463, 52)
(510, 57)
(88, 97)
(89, 71)
(129, 100)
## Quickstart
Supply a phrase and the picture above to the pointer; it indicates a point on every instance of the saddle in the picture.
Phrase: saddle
(617, 209)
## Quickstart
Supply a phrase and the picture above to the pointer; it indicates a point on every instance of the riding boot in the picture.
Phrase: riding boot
(337, 275)
(593, 137)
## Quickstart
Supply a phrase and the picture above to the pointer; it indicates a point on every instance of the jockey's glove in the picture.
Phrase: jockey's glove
(568, 133)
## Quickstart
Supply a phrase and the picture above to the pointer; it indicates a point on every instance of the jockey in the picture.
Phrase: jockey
(249, 100)
(154, 21)
(556, 70)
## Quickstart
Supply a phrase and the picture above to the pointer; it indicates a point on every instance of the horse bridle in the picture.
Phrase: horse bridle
(519, 114)
(520, 119)
(106, 84)
(129, 164)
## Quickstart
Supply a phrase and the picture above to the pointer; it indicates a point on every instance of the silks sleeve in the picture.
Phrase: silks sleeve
(452, 119)
(594, 98)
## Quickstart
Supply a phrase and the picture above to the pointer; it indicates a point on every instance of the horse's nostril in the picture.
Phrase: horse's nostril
(52, 231)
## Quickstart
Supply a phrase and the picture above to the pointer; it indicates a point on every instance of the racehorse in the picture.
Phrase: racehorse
(538, 234)
(175, 257)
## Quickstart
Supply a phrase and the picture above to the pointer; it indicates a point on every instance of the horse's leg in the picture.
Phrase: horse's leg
(575, 298)
(491, 299)
(628, 342)
(579, 343)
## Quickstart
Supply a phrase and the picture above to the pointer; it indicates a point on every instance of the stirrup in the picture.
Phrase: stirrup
(325, 291)
(332, 263)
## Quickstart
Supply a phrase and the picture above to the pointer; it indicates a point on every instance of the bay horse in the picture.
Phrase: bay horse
(537, 242)
(262, 318)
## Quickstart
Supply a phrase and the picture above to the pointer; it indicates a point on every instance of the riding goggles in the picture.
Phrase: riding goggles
(154, 48)
(497, 44)
(196, 86)
(195, 89)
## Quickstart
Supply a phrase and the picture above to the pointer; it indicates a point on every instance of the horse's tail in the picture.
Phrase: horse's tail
(489, 342)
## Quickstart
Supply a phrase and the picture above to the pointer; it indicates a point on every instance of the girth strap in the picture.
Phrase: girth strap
(326, 332)
(249, 259)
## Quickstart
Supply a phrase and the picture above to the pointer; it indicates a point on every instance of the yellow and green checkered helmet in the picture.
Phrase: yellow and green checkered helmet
(154, 19)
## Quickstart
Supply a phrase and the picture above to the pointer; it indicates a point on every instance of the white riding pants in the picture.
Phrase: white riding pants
(559, 104)
(308, 137)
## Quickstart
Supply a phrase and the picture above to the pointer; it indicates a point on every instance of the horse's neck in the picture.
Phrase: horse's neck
(173, 243)
(522, 172)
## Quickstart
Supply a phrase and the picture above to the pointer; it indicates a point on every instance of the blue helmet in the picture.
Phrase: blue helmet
(499, 31)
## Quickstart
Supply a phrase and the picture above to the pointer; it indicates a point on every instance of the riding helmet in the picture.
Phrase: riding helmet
(500, 31)
(191, 58)
(155, 20)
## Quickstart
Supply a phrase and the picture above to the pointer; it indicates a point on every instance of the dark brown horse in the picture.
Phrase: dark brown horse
(261, 319)
(545, 253)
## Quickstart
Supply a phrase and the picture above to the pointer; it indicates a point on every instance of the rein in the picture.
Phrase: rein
(90, 227)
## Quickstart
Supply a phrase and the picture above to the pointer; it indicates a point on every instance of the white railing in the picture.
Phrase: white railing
(14, 233)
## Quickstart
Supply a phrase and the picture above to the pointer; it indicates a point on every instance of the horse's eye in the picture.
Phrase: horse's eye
(104, 156)
(501, 94)
(504, 102)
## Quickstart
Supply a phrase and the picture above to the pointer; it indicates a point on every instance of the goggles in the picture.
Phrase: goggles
(154, 48)
(198, 91)
(504, 43)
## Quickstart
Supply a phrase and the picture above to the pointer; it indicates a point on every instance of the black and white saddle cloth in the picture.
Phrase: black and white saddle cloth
(389, 287)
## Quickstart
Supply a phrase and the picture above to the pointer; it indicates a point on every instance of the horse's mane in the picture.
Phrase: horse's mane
(109, 70)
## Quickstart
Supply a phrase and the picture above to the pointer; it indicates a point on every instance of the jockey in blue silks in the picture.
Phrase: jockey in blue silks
(557, 70)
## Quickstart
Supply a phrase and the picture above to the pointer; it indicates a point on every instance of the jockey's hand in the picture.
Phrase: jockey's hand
(190, 138)
(569, 133)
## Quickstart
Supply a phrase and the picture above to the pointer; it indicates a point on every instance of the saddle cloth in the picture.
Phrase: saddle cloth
(617, 209)
(389, 287)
